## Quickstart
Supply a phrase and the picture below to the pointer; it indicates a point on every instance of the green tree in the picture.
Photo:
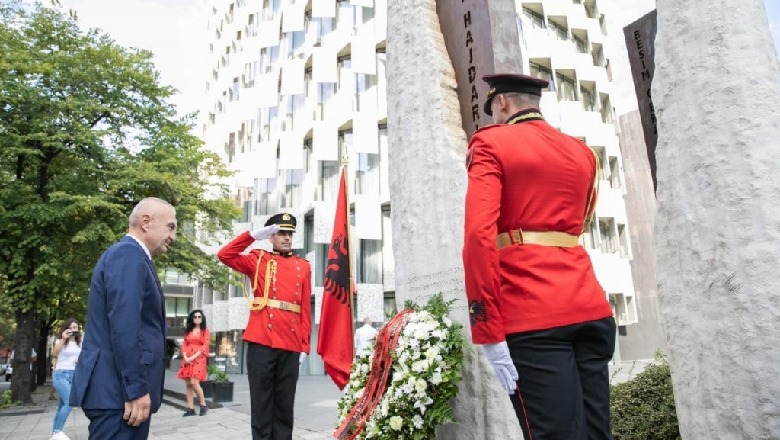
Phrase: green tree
(86, 131)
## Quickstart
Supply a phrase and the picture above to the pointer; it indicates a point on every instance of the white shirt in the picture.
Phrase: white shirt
(143, 246)
(362, 336)
(68, 356)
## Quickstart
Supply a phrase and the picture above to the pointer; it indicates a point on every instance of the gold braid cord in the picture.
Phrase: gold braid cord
(590, 208)
(256, 304)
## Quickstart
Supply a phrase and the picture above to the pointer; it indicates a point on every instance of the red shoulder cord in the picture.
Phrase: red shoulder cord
(376, 385)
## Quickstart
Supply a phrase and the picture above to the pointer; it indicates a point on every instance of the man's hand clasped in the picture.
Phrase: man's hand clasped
(137, 411)
(499, 357)
(263, 233)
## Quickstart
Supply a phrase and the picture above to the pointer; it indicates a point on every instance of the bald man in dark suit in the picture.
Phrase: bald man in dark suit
(118, 380)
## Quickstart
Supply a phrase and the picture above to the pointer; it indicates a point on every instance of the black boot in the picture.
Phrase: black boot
(203, 410)
(190, 412)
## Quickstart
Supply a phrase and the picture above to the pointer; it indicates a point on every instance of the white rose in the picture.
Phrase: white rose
(417, 421)
(420, 386)
(395, 423)
(436, 378)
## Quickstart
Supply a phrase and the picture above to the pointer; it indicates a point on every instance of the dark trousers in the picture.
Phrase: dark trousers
(563, 391)
(273, 376)
(108, 423)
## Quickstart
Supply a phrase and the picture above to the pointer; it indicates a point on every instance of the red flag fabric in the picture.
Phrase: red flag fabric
(334, 341)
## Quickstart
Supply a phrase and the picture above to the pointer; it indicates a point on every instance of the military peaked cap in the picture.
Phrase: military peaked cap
(512, 83)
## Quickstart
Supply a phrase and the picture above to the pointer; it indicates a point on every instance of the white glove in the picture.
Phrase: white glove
(302, 358)
(499, 357)
(263, 233)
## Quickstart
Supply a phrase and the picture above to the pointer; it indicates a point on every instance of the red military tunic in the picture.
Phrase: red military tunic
(527, 176)
(273, 327)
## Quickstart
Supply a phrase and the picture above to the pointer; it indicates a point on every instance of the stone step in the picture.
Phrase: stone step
(178, 400)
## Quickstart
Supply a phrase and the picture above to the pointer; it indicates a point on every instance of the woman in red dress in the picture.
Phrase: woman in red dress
(194, 353)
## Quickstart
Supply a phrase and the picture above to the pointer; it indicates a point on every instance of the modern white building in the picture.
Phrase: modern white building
(294, 86)
(564, 42)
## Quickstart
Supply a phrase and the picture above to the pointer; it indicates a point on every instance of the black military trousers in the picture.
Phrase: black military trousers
(563, 391)
(273, 376)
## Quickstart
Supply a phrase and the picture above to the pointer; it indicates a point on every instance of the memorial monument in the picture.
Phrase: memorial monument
(716, 90)
(427, 167)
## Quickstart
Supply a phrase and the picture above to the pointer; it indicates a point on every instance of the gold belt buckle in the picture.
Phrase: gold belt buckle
(517, 236)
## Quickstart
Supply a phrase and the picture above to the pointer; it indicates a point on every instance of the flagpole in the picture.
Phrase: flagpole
(345, 164)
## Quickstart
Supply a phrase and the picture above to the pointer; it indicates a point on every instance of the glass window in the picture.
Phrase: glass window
(534, 18)
(543, 72)
(368, 262)
(607, 235)
(567, 88)
(265, 202)
(606, 111)
(345, 15)
(559, 31)
(367, 174)
(623, 240)
(588, 99)
(176, 310)
(614, 172)
(293, 184)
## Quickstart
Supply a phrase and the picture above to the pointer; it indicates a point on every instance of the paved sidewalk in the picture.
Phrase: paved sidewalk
(315, 412)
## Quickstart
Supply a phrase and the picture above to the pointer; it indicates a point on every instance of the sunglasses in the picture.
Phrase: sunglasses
(197, 317)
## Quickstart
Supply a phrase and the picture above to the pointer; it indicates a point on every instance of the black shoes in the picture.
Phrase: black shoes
(190, 412)
(203, 410)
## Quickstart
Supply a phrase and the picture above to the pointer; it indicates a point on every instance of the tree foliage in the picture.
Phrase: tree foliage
(86, 131)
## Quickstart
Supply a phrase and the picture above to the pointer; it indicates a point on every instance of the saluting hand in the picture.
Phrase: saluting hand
(263, 233)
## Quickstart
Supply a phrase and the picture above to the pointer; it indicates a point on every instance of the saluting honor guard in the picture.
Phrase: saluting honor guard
(279, 325)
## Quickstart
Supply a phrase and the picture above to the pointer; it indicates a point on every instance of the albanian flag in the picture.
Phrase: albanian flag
(334, 342)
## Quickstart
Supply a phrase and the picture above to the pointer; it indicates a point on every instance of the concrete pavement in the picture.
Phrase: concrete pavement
(315, 415)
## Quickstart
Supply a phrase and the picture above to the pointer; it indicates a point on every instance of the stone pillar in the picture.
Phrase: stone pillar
(427, 186)
(717, 89)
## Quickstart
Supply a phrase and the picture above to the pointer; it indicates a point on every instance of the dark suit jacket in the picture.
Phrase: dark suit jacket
(123, 351)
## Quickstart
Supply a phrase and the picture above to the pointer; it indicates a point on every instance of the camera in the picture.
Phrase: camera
(75, 332)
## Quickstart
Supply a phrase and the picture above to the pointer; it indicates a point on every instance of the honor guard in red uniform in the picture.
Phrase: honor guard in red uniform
(535, 305)
(279, 324)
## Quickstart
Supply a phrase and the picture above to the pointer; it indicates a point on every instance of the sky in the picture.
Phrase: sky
(175, 31)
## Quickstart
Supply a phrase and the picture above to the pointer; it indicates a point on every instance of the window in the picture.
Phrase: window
(559, 30)
(543, 72)
(345, 15)
(567, 87)
(623, 241)
(318, 28)
(589, 238)
(346, 76)
(294, 105)
(367, 174)
(607, 237)
(580, 42)
(268, 118)
(588, 99)
(614, 173)
(325, 92)
(270, 7)
(606, 110)
(176, 310)
(293, 181)
(598, 55)
(321, 262)
(368, 262)
(534, 18)
(330, 169)
(364, 83)
(207, 294)
(266, 199)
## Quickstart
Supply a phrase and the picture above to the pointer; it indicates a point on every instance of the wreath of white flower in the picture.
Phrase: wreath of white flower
(426, 366)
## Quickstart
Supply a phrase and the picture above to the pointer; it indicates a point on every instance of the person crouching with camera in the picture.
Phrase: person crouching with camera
(66, 349)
